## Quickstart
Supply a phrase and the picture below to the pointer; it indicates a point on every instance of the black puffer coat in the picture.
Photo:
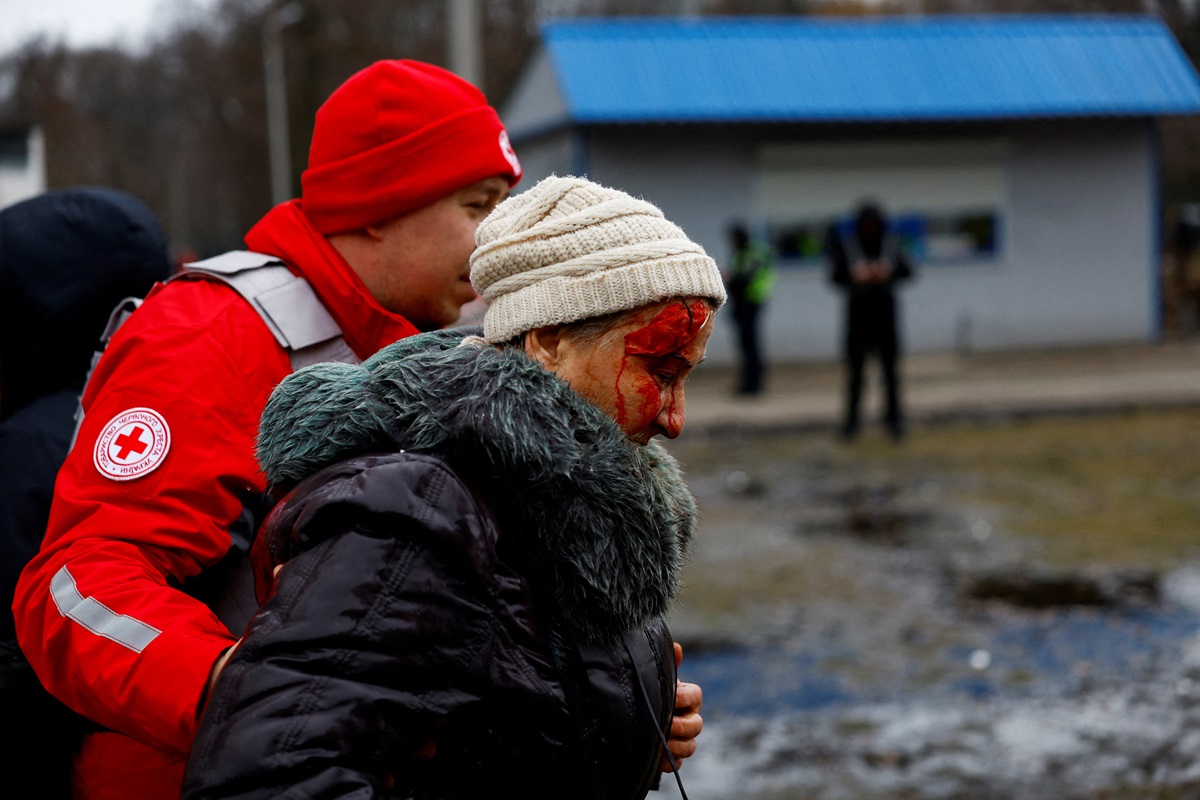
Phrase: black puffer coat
(474, 598)
(67, 257)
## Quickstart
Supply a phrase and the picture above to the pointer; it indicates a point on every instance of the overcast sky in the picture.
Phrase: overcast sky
(86, 22)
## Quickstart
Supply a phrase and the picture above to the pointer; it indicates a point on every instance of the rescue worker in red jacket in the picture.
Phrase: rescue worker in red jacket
(138, 594)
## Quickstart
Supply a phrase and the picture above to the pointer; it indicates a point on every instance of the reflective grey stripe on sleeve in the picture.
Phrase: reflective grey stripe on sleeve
(96, 617)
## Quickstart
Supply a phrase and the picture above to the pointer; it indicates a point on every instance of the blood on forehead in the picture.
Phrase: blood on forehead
(675, 327)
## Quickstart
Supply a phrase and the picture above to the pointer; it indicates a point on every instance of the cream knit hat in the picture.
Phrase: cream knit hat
(568, 249)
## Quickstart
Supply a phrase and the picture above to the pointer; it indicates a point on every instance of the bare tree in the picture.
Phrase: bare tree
(183, 125)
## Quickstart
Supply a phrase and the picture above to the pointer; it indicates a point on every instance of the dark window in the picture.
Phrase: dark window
(14, 148)
(969, 236)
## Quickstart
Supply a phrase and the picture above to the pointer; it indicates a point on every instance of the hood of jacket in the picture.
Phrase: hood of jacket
(66, 259)
(606, 521)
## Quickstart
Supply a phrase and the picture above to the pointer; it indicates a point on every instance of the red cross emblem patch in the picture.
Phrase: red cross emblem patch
(132, 444)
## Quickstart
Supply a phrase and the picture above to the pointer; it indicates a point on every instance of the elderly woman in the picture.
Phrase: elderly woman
(481, 540)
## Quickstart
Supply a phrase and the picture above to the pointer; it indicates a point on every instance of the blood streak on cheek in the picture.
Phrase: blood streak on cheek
(650, 394)
(646, 388)
(620, 397)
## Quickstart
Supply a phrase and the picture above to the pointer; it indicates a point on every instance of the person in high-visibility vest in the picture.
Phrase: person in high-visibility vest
(749, 284)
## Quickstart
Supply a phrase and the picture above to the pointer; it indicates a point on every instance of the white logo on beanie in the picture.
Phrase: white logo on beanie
(510, 155)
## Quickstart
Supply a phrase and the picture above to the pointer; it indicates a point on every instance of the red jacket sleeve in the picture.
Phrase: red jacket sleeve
(161, 468)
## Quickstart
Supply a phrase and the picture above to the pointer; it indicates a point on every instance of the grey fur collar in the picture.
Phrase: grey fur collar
(607, 520)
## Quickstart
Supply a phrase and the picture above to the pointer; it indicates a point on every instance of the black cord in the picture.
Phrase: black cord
(650, 708)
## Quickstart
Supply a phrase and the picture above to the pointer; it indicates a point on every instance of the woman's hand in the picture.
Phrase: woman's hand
(686, 724)
(215, 673)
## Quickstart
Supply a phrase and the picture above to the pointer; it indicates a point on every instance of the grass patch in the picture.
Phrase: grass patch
(730, 586)
(1106, 489)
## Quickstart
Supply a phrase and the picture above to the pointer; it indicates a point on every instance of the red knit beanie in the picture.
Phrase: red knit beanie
(397, 136)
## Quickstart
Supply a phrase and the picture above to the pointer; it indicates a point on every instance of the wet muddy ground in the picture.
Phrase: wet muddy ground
(863, 631)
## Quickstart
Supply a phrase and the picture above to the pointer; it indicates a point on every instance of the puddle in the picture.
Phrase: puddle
(1050, 704)
(858, 636)
(1052, 653)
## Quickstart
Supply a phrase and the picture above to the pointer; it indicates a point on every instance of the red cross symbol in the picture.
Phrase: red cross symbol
(131, 442)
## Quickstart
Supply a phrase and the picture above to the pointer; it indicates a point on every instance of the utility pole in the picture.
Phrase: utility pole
(275, 82)
(464, 27)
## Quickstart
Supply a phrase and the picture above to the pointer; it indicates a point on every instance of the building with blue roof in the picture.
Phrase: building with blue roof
(1018, 155)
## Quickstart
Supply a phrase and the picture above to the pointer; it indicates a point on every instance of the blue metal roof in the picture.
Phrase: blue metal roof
(868, 69)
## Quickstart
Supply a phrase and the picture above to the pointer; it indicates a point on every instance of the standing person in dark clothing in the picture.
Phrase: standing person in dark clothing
(66, 259)
(749, 284)
(867, 263)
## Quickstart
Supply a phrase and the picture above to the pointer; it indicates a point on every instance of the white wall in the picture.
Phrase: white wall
(800, 180)
(1078, 256)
